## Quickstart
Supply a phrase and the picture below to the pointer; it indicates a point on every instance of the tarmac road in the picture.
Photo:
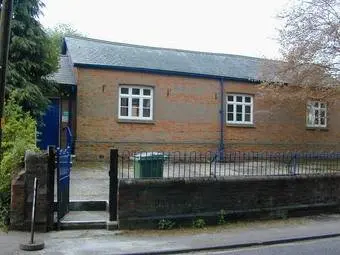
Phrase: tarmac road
(329, 246)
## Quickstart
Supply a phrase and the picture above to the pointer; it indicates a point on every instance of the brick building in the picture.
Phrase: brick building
(144, 98)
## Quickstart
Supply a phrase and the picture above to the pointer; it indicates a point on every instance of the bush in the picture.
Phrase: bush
(198, 223)
(18, 135)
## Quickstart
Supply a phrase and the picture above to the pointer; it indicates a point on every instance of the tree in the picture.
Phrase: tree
(57, 34)
(60, 31)
(310, 44)
(31, 58)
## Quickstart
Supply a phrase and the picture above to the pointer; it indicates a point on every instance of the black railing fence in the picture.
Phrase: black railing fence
(211, 164)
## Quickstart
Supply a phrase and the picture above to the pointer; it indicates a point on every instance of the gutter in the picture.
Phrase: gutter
(163, 72)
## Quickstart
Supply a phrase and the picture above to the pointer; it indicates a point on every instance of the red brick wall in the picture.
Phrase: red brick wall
(186, 117)
(142, 203)
(280, 122)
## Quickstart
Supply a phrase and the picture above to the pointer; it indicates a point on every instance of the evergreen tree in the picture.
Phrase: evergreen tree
(32, 58)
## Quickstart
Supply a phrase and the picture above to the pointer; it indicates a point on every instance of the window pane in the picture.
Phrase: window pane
(316, 113)
(310, 119)
(316, 104)
(322, 113)
(247, 108)
(135, 91)
(247, 117)
(322, 121)
(238, 117)
(124, 111)
(135, 112)
(230, 117)
(230, 108)
(238, 99)
(146, 103)
(135, 107)
(146, 92)
(124, 91)
(239, 108)
(248, 99)
(146, 113)
(230, 98)
(124, 101)
(316, 121)
(323, 105)
(135, 102)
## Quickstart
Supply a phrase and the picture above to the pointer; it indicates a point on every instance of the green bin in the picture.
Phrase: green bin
(148, 164)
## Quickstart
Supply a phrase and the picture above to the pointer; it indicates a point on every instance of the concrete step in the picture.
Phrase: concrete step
(77, 225)
(87, 220)
(88, 205)
(73, 225)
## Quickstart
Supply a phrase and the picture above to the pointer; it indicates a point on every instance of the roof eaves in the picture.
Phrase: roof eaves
(164, 72)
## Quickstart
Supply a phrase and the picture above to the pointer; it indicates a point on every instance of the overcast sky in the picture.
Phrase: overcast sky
(245, 27)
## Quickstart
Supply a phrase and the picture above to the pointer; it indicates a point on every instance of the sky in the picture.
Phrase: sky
(243, 27)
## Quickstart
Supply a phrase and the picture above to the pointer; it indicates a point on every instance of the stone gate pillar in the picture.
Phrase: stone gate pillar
(40, 165)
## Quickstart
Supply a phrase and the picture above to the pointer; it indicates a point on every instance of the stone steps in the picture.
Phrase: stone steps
(87, 215)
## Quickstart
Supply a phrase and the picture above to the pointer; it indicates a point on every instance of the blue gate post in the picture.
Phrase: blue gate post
(69, 138)
(113, 173)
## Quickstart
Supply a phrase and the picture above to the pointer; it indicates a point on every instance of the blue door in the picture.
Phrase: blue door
(48, 128)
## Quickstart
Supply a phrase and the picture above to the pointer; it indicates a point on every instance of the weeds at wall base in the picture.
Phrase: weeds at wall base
(198, 223)
(166, 224)
(4, 210)
(221, 217)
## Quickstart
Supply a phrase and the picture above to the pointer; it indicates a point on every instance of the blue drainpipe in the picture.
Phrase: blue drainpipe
(222, 122)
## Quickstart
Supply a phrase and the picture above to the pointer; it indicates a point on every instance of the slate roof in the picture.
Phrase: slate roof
(65, 74)
(102, 54)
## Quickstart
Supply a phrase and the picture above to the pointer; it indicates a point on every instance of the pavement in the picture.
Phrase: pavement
(176, 241)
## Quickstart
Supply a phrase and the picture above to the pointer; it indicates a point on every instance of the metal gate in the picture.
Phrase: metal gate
(64, 164)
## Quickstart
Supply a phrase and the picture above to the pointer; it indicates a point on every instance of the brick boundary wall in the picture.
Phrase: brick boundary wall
(142, 203)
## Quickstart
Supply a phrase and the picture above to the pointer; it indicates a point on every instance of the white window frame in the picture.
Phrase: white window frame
(243, 104)
(310, 114)
(141, 97)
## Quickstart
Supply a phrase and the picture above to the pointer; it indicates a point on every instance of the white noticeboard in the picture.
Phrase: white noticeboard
(64, 117)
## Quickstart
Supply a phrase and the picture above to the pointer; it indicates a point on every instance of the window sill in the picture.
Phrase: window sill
(240, 125)
(152, 122)
(317, 128)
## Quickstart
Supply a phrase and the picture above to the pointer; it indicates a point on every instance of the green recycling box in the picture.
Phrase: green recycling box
(148, 164)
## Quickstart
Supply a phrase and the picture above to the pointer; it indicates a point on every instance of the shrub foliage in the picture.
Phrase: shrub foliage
(19, 134)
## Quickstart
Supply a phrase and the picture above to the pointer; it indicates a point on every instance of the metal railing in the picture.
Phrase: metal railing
(197, 164)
